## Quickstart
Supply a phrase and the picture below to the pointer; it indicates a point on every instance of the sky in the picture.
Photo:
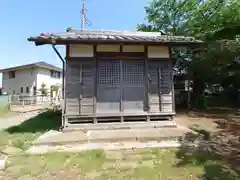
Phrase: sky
(21, 19)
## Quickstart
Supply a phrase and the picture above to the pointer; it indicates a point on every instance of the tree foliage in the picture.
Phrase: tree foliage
(43, 90)
(217, 22)
(168, 15)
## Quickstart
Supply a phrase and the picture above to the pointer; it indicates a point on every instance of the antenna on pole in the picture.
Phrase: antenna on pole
(84, 19)
(83, 14)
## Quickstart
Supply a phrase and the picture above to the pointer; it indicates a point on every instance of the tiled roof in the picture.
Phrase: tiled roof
(38, 64)
(88, 36)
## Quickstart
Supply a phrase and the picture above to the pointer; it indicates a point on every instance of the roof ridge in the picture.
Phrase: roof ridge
(111, 36)
(115, 32)
(39, 63)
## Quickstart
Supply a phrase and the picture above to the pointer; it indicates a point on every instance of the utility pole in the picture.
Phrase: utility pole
(83, 14)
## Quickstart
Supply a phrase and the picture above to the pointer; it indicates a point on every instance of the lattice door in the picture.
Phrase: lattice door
(109, 73)
(120, 86)
(133, 85)
(108, 98)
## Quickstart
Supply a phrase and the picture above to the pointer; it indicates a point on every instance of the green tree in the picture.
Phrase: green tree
(168, 15)
(217, 22)
(43, 90)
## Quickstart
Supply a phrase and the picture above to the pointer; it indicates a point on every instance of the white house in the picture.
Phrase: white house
(28, 79)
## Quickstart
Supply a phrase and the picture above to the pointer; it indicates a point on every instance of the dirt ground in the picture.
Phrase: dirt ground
(209, 120)
(207, 123)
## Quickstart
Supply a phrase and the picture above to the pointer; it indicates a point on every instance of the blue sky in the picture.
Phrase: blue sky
(22, 18)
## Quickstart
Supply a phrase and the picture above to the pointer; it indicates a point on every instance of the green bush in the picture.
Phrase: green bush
(197, 128)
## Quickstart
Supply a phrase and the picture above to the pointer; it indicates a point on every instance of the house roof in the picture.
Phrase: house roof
(111, 37)
(37, 64)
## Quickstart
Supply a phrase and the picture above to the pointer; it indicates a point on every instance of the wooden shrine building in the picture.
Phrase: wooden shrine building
(114, 76)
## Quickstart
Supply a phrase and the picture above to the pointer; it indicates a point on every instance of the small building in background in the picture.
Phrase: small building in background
(31, 80)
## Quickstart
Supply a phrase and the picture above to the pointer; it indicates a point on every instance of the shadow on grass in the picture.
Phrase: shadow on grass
(219, 171)
(215, 163)
(43, 122)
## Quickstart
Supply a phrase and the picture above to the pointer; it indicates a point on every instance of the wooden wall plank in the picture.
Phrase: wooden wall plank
(164, 86)
(80, 87)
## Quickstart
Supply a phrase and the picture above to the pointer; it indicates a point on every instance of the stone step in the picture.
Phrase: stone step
(111, 136)
(119, 126)
(123, 145)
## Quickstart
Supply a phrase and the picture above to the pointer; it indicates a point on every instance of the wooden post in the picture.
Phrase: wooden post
(146, 79)
(95, 86)
(95, 80)
(81, 89)
(172, 78)
(159, 73)
(121, 83)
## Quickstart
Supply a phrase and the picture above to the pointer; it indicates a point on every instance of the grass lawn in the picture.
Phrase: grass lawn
(5, 112)
(22, 135)
(146, 164)
(149, 164)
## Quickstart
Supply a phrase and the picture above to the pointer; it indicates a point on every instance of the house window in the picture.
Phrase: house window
(58, 75)
(21, 90)
(34, 91)
(27, 89)
(55, 74)
(11, 74)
